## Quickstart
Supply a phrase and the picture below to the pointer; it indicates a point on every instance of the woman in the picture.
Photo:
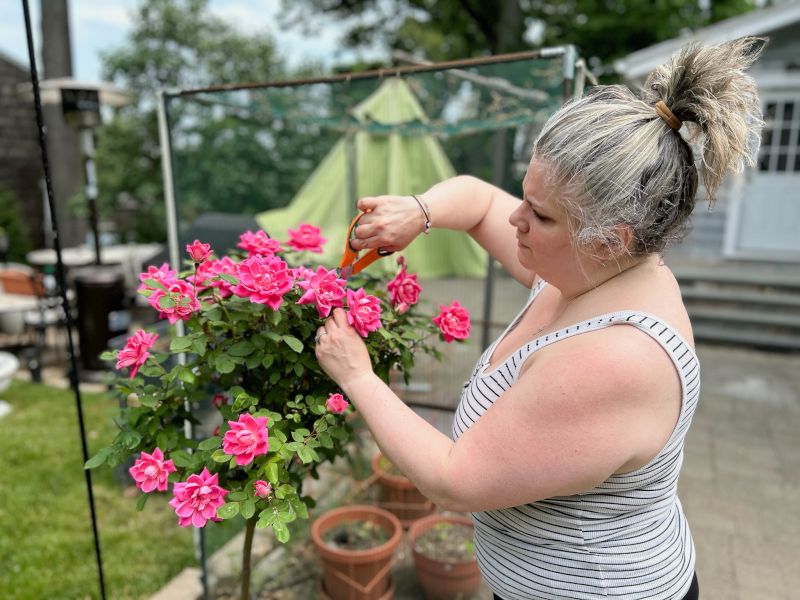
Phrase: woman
(568, 438)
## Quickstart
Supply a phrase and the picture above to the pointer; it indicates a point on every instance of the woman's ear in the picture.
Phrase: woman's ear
(624, 234)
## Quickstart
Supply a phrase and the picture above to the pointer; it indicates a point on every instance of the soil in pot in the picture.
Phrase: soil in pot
(447, 542)
(356, 535)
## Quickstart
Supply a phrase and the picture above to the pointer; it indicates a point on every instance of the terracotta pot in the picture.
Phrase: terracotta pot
(399, 496)
(357, 574)
(443, 580)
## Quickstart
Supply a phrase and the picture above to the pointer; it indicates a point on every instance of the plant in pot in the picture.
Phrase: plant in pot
(246, 349)
(444, 557)
(357, 544)
(398, 494)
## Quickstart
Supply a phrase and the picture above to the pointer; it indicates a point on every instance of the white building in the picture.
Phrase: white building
(757, 216)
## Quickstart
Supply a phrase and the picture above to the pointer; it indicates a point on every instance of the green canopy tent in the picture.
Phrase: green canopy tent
(378, 157)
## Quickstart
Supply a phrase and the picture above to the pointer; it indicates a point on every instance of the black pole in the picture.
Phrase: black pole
(73, 373)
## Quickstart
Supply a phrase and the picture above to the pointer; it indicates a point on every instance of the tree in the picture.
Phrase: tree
(179, 44)
(450, 29)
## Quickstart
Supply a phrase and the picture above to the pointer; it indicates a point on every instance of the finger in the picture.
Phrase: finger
(370, 242)
(366, 230)
(330, 325)
(340, 317)
(368, 203)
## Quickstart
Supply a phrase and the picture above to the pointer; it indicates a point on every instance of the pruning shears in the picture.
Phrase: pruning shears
(351, 262)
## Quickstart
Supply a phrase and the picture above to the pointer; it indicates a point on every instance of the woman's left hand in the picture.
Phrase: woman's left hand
(340, 350)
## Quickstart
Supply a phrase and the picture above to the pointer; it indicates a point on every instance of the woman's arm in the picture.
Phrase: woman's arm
(462, 203)
(574, 417)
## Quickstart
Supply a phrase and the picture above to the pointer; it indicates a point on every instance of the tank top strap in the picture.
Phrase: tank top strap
(682, 355)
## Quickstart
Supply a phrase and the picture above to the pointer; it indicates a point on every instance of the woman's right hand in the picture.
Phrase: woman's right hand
(391, 223)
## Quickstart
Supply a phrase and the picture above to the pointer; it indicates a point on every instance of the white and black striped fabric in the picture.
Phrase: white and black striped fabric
(626, 538)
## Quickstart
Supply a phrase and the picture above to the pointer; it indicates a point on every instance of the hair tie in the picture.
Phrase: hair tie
(669, 118)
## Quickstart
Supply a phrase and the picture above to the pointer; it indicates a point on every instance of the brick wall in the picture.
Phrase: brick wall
(20, 159)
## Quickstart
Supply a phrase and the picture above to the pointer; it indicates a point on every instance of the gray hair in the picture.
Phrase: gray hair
(618, 162)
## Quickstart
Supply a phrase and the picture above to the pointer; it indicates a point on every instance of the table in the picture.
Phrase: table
(133, 258)
(12, 311)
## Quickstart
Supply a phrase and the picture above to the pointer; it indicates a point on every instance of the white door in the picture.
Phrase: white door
(766, 222)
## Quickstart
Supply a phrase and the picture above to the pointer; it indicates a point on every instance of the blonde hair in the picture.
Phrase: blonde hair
(618, 162)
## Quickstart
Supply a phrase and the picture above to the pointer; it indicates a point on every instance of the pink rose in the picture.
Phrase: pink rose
(259, 243)
(179, 301)
(215, 432)
(198, 251)
(264, 280)
(162, 274)
(246, 439)
(197, 499)
(323, 288)
(219, 399)
(262, 488)
(150, 471)
(306, 237)
(136, 351)
(453, 322)
(336, 404)
(364, 312)
(404, 290)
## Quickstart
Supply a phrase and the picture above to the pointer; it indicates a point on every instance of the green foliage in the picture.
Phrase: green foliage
(12, 225)
(262, 361)
(451, 29)
(179, 44)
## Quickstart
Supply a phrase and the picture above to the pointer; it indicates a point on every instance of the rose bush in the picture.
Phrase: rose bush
(246, 351)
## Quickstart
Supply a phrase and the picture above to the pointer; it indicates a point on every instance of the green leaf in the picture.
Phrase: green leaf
(306, 454)
(130, 439)
(253, 360)
(108, 355)
(274, 444)
(186, 375)
(275, 317)
(228, 510)
(180, 344)
(166, 302)
(199, 346)
(266, 518)
(286, 516)
(209, 444)
(141, 501)
(299, 369)
(98, 459)
(224, 364)
(293, 343)
(243, 348)
(220, 456)
(229, 278)
(281, 532)
(268, 360)
(247, 508)
(181, 458)
(299, 507)
(148, 401)
(272, 472)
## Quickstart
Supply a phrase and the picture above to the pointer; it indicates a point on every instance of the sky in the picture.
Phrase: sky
(97, 25)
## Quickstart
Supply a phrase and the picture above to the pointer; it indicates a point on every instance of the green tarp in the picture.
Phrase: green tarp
(370, 164)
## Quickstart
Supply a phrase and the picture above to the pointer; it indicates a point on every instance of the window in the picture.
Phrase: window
(780, 141)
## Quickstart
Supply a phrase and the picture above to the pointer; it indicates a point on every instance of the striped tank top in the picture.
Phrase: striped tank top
(626, 538)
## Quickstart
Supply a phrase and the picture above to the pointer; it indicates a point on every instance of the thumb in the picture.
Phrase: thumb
(367, 204)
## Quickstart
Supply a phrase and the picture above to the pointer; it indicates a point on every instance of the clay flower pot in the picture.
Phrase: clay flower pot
(357, 574)
(399, 496)
(439, 579)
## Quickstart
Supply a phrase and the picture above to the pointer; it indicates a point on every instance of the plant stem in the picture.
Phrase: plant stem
(250, 527)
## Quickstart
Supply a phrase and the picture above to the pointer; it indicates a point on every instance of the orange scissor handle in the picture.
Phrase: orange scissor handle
(351, 263)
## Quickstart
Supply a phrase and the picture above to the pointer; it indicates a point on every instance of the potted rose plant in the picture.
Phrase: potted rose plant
(248, 323)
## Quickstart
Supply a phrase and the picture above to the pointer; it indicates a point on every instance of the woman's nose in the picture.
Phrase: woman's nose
(516, 220)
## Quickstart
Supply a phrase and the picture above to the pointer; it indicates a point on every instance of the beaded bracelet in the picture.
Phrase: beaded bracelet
(426, 211)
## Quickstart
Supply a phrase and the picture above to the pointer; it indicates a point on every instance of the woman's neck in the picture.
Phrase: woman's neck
(605, 274)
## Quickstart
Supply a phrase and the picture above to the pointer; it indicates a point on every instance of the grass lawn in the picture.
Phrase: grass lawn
(46, 547)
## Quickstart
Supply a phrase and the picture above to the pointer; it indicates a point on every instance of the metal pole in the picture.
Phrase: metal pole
(165, 142)
(87, 153)
(73, 373)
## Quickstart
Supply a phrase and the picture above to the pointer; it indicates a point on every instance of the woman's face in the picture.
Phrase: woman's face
(544, 242)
